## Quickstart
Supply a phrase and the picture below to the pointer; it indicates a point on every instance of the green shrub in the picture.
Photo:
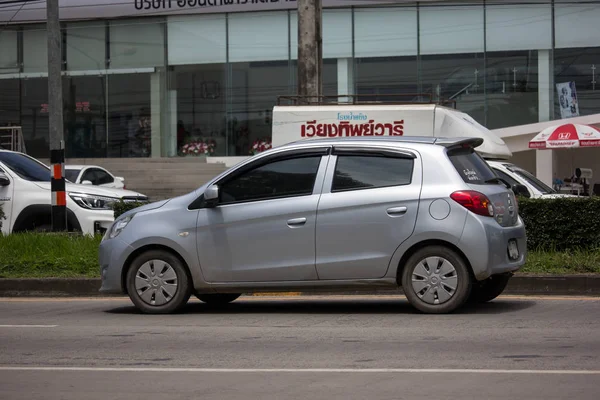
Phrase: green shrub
(561, 224)
(122, 207)
(2, 216)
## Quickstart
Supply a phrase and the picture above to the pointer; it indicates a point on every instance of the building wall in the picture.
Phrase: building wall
(145, 86)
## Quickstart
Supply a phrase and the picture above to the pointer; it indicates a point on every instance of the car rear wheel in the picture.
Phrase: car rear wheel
(218, 298)
(436, 280)
(158, 283)
(489, 289)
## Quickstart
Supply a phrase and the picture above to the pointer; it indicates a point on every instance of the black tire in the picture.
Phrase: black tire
(218, 298)
(489, 289)
(463, 281)
(183, 282)
(42, 228)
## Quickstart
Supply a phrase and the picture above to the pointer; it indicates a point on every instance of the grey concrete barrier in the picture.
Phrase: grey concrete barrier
(558, 285)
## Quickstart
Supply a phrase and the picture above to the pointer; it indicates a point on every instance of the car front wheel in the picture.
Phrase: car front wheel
(158, 283)
(436, 280)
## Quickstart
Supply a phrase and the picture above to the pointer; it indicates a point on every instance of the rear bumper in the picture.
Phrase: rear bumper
(486, 245)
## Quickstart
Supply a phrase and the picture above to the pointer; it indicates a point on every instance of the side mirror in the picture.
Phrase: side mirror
(521, 190)
(86, 183)
(211, 196)
(4, 181)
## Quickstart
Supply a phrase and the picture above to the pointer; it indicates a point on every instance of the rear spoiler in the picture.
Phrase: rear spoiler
(459, 143)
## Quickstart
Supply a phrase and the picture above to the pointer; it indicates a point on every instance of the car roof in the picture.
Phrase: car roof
(75, 166)
(443, 141)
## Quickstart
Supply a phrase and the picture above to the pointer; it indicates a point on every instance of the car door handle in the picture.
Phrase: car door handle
(296, 222)
(394, 211)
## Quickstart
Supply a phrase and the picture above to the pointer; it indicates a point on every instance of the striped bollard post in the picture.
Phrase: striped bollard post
(58, 189)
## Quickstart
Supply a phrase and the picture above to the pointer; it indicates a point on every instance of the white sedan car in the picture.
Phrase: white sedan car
(93, 175)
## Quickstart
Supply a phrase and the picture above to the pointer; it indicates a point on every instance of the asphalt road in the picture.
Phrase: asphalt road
(347, 347)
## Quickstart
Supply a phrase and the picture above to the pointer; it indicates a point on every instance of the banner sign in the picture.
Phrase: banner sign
(567, 100)
(35, 11)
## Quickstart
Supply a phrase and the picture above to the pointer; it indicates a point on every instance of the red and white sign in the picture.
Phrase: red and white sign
(566, 136)
(293, 123)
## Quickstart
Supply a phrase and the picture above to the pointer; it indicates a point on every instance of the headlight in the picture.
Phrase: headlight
(92, 202)
(118, 226)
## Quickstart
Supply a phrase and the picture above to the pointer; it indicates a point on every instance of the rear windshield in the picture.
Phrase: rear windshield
(471, 167)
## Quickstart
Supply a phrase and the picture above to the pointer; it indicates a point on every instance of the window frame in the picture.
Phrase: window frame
(375, 152)
(319, 151)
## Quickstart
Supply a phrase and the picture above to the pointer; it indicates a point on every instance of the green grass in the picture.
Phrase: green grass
(48, 255)
(563, 262)
(63, 256)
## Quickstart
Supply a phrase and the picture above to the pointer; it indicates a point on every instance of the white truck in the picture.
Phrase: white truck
(26, 202)
(297, 122)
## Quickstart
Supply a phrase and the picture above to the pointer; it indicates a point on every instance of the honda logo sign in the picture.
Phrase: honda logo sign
(564, 135)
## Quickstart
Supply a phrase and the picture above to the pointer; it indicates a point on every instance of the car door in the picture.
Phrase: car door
(263, 228)
(6, 201)
(368, 208)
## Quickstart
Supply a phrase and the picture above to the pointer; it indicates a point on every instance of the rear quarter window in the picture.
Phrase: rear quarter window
(470, 166)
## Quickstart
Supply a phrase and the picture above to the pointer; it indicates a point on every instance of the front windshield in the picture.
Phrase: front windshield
(533, 181)
(72, 174)
(26, 167)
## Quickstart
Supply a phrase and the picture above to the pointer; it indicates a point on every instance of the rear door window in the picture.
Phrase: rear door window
(371, 171)
(470, 166)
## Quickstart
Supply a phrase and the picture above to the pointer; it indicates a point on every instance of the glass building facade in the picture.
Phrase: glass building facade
(144, 87)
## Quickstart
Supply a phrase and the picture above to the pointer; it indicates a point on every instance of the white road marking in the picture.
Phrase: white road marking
(28, 326)
(306, 370)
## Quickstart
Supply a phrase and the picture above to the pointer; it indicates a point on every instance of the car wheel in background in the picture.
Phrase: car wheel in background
(217, 298)
(490, 288)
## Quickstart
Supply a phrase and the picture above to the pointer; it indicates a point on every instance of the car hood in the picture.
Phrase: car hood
(96, 190)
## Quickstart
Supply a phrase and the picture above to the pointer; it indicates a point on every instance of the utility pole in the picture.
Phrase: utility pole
(55, 112)
(310, 49)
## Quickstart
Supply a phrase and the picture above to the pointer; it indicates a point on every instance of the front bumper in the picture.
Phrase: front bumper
(486, 245)
(94, 222)
(113, 254)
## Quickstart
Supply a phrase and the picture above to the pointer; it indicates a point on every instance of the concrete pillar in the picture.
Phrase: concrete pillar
(345, 82)
(545, 85)
(545, 158)
(155, 114)
(160, 110)
(170, 136)
(310, 48)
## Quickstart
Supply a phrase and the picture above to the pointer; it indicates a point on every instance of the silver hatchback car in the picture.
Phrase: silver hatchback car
(427, 214)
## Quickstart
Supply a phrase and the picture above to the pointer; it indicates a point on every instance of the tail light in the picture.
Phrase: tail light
(475, 202)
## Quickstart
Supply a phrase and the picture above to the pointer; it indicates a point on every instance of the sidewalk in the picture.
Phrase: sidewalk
(559, 285)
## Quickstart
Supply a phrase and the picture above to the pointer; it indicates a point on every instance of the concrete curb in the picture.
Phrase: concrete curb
(557, 285)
